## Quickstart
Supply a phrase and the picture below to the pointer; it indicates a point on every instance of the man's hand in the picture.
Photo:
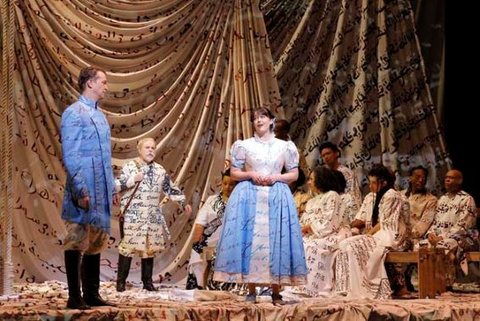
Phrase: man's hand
(116, 199)
(138, 177)
(84, 202)
(306, 229)
(374, 229)
(188, 209)
(434, 239)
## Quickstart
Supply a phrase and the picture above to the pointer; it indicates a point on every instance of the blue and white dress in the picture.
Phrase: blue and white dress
(261, 241)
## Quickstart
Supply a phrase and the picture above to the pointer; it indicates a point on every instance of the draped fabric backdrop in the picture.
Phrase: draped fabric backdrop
(188, 73)
(7, 19)
(429, 22)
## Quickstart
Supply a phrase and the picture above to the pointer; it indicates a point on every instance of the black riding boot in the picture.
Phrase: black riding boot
(91, 281)
(124, 263)
(147, 271)
(72, 265)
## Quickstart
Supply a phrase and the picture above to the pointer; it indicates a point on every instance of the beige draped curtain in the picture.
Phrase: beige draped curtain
(7, 19)
(188, 73)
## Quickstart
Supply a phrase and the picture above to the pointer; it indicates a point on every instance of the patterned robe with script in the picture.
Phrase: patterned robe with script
(360, 269)
(455, 221)
(325, 213)
(146, 232)
(353, 187)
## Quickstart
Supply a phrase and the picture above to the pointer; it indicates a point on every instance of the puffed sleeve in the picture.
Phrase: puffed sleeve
(206, 212)
(237, 154)
(291, 157)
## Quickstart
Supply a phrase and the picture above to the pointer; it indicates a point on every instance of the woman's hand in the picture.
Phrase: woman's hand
(270, 179)
(258, 178)
(374, 229)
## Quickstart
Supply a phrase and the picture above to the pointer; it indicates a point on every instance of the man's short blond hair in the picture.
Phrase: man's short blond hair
(143, 141)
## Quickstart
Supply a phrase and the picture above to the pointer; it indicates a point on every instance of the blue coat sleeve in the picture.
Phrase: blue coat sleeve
(72, 139)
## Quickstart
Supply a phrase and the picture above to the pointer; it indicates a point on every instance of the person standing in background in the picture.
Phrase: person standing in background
(330, 155)
(145, 229)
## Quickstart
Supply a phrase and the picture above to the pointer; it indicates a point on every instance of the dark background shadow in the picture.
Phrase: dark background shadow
(462, 88)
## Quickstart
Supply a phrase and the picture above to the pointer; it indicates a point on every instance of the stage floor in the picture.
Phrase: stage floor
(46, 301)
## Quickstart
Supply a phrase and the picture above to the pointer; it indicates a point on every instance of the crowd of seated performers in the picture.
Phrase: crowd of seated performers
(346, 239)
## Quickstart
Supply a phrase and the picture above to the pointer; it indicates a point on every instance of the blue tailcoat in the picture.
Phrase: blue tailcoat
(86, 149)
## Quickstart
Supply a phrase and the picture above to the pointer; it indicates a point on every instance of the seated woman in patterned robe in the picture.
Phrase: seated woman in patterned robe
(360, 269)
(324, 225)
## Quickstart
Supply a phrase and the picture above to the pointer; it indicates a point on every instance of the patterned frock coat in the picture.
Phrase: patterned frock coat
(145, 228)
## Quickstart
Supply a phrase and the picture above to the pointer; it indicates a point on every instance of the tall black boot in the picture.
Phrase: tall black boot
(124, 263)
(91, 281)
(147, 271)
(72, 265)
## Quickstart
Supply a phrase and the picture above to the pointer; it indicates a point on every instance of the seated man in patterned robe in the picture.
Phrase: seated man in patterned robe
(454, 225)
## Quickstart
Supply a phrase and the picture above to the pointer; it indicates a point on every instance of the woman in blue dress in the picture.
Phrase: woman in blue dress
(261, 242)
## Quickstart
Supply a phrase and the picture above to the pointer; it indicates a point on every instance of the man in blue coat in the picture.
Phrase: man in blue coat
(89, 189)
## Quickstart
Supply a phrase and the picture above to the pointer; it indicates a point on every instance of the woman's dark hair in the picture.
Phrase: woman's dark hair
(262, 111)
(382, 174)
(301, 177)
(226, 173)
(325, 179)
(282, 129)
(341, 182)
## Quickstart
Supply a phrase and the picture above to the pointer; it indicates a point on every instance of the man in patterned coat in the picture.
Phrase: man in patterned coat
(144, 183)
(454, 225)
(89, 189)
